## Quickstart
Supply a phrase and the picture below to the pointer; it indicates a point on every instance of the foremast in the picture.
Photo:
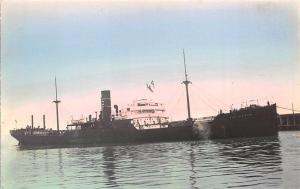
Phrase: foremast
(56, 101)
(186, 82)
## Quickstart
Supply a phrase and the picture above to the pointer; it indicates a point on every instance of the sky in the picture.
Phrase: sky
(235, 52)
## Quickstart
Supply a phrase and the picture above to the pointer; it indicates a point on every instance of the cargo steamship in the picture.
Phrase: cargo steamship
(146, 121)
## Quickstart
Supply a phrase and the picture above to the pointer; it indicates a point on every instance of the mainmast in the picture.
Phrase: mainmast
(56, 101)
(186, 83)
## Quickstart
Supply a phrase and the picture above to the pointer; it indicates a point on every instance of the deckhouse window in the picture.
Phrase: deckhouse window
(148, 111)
(142, 104)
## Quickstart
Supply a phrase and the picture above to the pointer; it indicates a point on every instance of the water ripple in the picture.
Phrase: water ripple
(267, 162)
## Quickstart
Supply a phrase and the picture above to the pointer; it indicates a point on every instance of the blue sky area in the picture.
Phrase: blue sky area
(100, 45)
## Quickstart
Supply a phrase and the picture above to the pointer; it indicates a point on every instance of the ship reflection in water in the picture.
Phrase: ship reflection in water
(266, 162)
(109, 165)
(236, 163)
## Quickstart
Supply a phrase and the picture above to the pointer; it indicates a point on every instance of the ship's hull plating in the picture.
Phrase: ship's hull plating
(252, 122)
(118, 134)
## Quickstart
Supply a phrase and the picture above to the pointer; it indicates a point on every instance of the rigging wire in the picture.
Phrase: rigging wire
(212, 96)
(208, 101)
(204, 101)
(209, 94)
(229, 107)
(178, 93)
(171, 110)
(288, 109)
(285, 108)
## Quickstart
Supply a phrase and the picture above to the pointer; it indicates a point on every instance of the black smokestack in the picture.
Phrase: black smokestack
(106, 106)
(44, 121)
(117, 109)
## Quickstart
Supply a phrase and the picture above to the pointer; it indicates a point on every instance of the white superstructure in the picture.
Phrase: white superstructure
(145, 114)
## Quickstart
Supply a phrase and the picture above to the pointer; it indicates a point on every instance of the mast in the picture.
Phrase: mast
(186, 83)
(31, 122)
(294, 120)
(56, 101)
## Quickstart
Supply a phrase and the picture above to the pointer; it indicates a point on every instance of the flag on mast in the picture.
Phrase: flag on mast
(149, 87)
(152, 83)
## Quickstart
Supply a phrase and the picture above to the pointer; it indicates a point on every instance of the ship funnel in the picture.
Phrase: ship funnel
(117, 109)
(106, 106)
(44, 121)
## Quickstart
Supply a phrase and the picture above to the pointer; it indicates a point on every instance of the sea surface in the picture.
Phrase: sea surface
(266, 162)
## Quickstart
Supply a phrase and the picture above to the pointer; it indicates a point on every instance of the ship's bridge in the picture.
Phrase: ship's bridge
(145, 114)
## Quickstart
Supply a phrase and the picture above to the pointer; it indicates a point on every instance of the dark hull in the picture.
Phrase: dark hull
(247, 122)
(124, 133)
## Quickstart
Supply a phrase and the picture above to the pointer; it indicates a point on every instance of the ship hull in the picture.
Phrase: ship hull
(251, 122)
(122, 132)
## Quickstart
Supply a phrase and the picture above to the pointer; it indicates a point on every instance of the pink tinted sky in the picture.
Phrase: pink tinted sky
(237, 52)
(207, 98)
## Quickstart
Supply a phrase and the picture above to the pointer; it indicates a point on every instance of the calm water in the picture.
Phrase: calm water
(272, 162)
